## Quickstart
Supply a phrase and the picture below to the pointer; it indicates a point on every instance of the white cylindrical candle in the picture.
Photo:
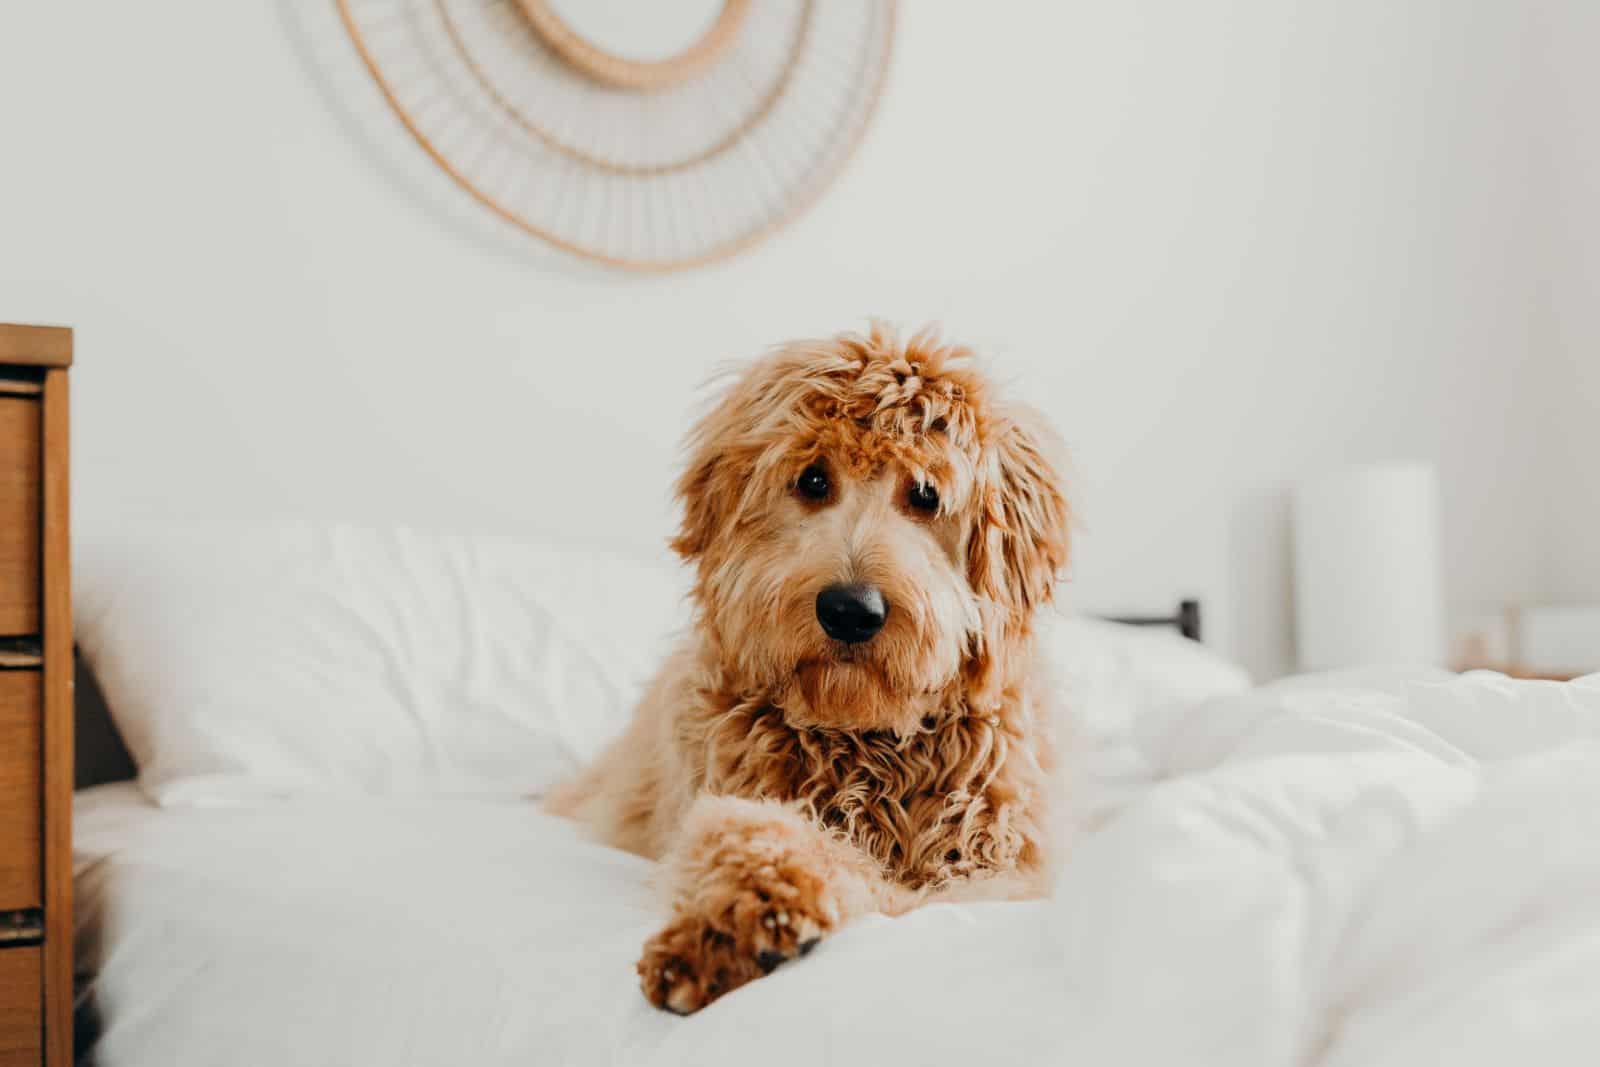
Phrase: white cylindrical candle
(1368, 584)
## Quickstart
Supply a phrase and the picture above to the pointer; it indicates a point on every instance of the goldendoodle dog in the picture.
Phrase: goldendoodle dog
(856, 721)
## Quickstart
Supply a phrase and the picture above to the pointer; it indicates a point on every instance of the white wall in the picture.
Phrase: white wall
(1570, 35)
(1222, 244)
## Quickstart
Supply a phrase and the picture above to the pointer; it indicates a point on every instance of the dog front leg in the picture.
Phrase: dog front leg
(752, 884)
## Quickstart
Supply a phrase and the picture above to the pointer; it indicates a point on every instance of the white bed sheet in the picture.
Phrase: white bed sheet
(1360, 870)
(459, 931)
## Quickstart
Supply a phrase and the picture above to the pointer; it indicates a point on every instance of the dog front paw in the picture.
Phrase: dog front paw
(741, 928)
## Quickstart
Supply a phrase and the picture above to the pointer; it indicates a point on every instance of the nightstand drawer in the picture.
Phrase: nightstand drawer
(21, 1017)
(20, 773)
(19, 514)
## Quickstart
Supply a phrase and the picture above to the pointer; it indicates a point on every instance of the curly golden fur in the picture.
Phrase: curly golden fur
(791, 780)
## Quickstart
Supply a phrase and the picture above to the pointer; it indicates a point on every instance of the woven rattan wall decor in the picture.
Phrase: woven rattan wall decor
(644, 134)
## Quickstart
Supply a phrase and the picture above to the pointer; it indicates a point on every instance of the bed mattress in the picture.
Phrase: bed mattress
(1339, 871)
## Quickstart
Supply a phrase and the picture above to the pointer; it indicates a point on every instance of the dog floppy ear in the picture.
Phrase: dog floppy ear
(1021, 539)
(707, 493)
(722, 448)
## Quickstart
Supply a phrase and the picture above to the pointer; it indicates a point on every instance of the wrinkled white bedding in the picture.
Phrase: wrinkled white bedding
(1375, 869)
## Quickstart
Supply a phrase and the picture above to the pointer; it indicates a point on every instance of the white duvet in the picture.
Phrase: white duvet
(1342, 870)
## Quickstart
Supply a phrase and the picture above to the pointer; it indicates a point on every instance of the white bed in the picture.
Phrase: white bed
(1338, 873)
(1366, 869)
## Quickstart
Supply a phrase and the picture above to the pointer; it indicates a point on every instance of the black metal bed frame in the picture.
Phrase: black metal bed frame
(1186, 621)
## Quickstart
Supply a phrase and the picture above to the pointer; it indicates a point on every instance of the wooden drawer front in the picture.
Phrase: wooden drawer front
(20, 769)
(21, 1003)
(19, 515)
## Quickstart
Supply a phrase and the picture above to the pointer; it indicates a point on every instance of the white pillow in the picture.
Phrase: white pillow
(1113, 678)
(1114, 673)
(241, 662)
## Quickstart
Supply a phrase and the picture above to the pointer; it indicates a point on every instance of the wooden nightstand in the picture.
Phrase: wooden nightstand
(35, 700)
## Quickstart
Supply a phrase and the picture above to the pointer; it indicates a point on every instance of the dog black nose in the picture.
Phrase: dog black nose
(851, 613)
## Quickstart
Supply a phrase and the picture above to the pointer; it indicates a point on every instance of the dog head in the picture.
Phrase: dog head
(872, 530)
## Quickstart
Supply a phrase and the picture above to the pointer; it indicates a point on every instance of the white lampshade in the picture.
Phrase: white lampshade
(1368, 587)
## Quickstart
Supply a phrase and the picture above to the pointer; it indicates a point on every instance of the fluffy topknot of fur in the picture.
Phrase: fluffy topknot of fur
(902, 390)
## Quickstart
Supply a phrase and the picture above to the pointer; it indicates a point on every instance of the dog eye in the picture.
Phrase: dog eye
(923, 497)
(813, 483)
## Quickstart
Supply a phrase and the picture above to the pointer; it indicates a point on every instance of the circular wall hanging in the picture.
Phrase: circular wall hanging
(646, 134)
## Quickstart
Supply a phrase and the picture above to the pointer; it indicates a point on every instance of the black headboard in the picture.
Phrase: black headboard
(100, 755)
